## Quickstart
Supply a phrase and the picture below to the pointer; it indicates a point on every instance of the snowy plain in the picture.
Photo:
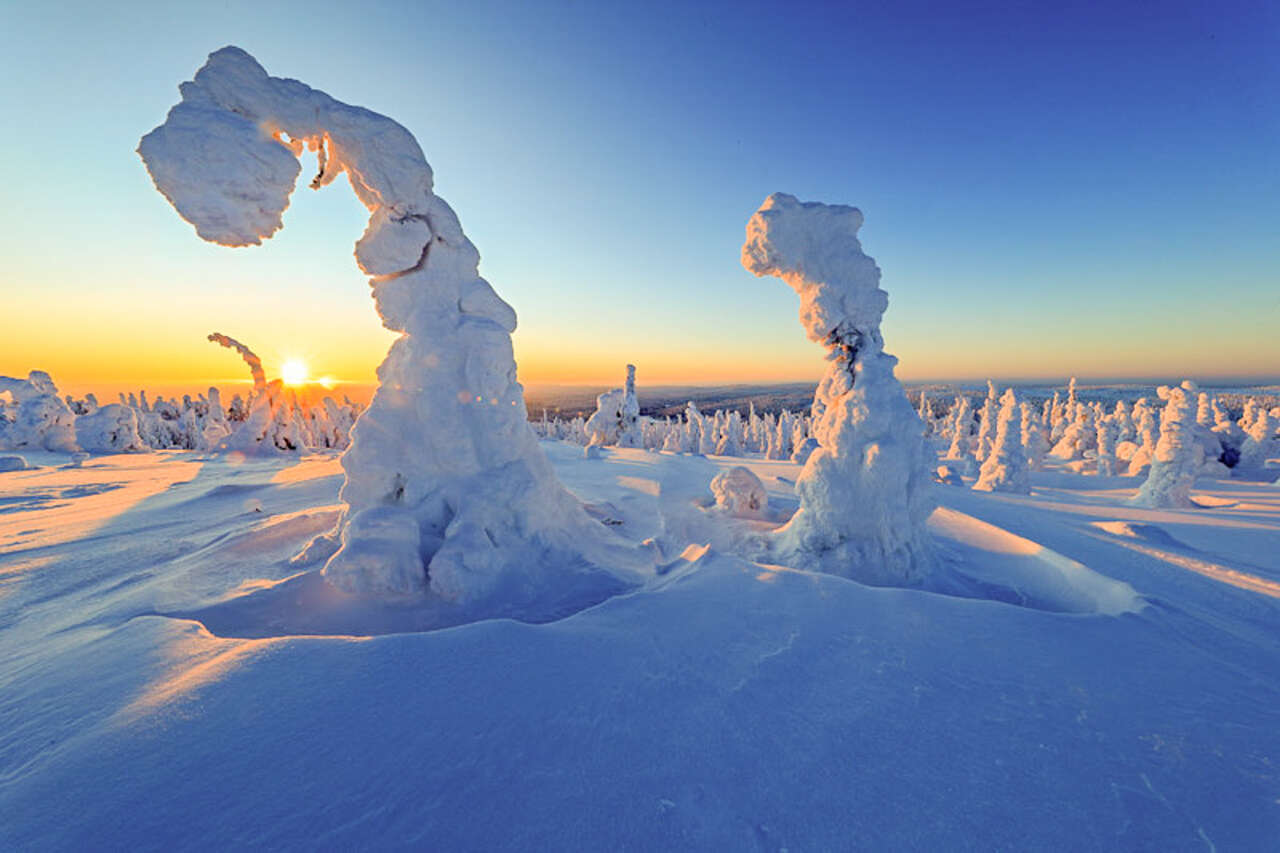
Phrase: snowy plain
(1103, 677)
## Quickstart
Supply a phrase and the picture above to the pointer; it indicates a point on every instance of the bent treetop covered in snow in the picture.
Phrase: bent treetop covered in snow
(446, 487)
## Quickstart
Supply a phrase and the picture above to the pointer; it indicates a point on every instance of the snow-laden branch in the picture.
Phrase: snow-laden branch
(250, 358)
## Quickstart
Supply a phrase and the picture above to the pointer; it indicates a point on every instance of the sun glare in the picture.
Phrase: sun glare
(294, 372)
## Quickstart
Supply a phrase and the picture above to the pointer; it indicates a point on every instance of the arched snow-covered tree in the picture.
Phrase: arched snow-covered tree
(446, 487)
(865, 492)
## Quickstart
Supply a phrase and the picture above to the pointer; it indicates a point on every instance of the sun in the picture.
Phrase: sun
(294, 372)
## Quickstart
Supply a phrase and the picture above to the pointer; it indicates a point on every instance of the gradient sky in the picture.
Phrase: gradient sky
(1050, 189)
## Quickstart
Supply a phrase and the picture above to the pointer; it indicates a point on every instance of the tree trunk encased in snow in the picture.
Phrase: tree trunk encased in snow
(446, 488)
(865, 492)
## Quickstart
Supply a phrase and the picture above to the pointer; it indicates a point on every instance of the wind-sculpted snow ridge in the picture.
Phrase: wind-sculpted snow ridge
(865, 492)
(446, 488)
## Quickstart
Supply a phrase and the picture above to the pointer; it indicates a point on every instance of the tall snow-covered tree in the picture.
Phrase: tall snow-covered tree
(447, 490)
(865, 492)
(1005, 469)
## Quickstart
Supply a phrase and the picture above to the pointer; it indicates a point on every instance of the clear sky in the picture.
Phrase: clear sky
(1049, 188)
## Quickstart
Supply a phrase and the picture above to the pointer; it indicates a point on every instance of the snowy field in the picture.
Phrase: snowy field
(1103, 677)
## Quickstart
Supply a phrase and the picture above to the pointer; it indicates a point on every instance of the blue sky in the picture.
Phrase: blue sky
(1091, 190)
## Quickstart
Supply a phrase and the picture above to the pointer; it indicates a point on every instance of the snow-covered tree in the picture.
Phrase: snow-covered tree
(36, 418)
(987, 423)
(960, 430)
(739, 492)
(446, 488)
(1259, 443)
(1148, 433)
(1005, 469)
(865, 492)
(1107, 432)
(112, 428)
(1033, 439)
(616, 420)
(250, 358)
(1178, 455)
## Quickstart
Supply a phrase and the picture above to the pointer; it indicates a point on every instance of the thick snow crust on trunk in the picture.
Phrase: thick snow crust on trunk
(446, 488)
(865, 492)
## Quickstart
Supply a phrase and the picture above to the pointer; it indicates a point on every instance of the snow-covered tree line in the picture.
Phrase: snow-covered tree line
(722, 432)
(1109, 438)
(1088, 436)
(271, 419)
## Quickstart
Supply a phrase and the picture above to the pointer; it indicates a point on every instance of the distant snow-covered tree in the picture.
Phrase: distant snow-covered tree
(1005, 469)
(1178, 455)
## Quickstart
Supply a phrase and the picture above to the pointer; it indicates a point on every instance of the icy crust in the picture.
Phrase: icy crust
(865, 490)
(446, 488)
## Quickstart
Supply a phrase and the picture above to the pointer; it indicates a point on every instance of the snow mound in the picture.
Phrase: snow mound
(1136, 530)
(739, 492)
(12, 463)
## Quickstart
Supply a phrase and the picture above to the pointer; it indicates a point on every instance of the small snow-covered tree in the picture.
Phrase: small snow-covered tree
(1033, 439)
(1005, 469)
(1178, 456)
(739, 492)
(36, 418)
(1079, 435)
(1259, 443)
(960, 431)
(730, 443)
(1107, 432)
(987, 423)
(865, 492)
(1148, 434)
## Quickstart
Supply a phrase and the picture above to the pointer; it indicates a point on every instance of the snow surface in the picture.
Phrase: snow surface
(1103, 676)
